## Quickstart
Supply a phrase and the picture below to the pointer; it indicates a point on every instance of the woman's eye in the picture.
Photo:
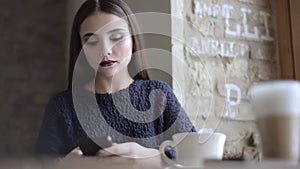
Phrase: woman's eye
(92, 40)
(91, 43)
(116, 37)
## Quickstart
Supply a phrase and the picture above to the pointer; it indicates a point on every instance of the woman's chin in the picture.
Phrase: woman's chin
(107, 73)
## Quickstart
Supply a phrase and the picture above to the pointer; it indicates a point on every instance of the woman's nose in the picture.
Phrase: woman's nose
(106, 49)
(107, 52)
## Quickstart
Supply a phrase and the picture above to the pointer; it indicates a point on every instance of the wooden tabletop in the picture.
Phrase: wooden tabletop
(75, 162)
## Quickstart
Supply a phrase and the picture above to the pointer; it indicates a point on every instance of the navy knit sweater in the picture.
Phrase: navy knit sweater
(147, 112)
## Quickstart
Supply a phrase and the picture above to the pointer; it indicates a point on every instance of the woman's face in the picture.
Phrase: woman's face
(106, 42)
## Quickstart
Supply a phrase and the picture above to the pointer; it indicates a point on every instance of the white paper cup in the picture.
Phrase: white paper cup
(276, 105)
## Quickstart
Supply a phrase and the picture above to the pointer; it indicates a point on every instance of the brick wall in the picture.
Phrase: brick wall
(224, 42)
(32, 68)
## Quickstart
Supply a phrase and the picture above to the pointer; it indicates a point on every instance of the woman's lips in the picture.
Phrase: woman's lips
(107, 63)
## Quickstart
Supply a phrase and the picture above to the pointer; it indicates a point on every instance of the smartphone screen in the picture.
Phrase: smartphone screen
(91, 146)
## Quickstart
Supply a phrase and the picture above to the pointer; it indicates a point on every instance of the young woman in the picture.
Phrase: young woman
(109, 92)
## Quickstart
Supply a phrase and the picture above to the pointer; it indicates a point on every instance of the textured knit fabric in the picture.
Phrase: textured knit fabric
(147, 112)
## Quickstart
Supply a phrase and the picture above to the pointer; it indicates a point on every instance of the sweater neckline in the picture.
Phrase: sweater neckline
(117, 92)
(105, 98)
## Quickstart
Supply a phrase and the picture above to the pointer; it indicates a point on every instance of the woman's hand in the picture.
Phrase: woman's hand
(143, 157)
(126, 153)
(76, 152)
(129, 150)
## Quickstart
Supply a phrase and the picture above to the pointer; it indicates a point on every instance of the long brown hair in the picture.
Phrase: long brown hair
(85, 71)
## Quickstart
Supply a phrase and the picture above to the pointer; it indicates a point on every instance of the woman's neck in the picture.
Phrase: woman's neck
(109, 84)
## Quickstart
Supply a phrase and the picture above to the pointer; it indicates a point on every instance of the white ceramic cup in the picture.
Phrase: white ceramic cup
(276, 105)
(192, 148)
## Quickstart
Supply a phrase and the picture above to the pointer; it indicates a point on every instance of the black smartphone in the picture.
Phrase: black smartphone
(90, 146)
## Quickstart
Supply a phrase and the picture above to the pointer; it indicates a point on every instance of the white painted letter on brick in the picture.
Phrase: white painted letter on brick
(229, 102)
(226, 14)
(267, 36)
(246, 32)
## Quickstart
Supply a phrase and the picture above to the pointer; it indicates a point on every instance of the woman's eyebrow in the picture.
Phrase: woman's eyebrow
(111, 31)
(88, 35)
(116, 30)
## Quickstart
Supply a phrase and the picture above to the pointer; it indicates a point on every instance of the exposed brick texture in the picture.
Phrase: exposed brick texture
(227, 42)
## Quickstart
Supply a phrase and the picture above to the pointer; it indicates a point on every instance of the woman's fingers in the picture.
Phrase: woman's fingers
(124, 149)
(76, 151)
(104, 153)
(116, 149)
(129, 150)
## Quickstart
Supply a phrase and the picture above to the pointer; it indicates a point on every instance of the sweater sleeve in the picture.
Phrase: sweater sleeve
(52, 139)
(175, 119)
(175, 116)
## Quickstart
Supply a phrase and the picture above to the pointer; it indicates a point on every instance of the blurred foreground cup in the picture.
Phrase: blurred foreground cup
(276, 105)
